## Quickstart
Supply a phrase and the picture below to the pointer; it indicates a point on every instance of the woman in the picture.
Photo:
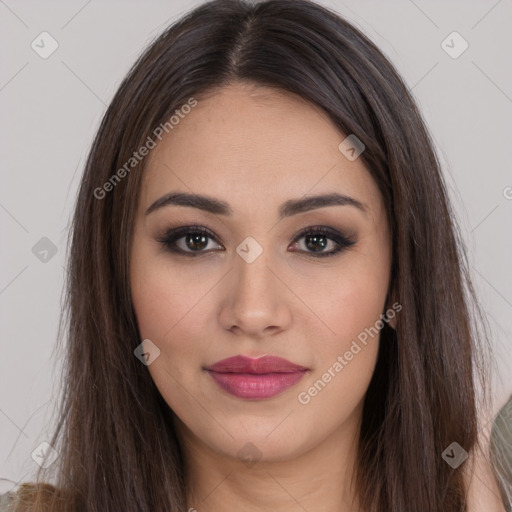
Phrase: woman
(269, 306)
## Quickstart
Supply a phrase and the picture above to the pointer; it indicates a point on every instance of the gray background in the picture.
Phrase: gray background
(52, 107)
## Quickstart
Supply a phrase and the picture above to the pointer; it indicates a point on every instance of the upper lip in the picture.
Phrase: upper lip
(264, 364)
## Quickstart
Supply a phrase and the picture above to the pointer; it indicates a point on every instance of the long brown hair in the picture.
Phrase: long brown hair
(118, 449)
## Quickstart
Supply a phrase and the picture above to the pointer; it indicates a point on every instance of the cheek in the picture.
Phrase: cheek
(353, 302)
(345, 300)
(167, 304)
(174, 304)
(166, 297)
(350, 303)
(345, 360)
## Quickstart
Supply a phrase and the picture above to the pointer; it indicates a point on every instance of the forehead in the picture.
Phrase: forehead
(247, 143)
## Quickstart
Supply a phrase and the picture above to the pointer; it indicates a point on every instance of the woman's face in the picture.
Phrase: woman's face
(254, 285)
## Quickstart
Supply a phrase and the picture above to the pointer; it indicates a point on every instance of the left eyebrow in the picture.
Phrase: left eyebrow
(287, 209)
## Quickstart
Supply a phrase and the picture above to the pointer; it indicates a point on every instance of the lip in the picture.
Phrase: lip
(256, 379)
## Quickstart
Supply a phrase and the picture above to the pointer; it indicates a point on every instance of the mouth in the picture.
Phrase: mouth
(256, 379)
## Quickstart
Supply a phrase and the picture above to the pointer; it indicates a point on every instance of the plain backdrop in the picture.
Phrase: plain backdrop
(51, 107)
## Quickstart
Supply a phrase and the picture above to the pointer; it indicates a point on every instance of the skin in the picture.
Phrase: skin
(256, 148)
(483, 491)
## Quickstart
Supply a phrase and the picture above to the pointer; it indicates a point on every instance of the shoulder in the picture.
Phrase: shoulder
(25, 496)
(6, 500)
(501, 450)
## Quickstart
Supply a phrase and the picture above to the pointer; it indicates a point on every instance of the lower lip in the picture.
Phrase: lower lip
(253, 386)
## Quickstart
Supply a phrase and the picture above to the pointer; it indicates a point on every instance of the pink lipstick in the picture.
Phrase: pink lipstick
(255, 379)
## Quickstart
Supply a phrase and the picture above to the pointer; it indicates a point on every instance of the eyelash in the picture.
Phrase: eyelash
(173, 235)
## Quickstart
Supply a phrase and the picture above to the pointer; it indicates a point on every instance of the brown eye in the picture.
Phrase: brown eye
(319, 238)
(196, 241)
(188, 240)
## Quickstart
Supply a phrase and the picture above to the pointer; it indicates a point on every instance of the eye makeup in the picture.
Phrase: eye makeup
(193, 240)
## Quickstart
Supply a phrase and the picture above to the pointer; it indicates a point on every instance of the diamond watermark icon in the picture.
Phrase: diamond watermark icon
(44, 45)
(249, 249)
(249, 454)
(351, 147)
(44, 455)
(454, 45)
(147, 352)
(44, 250)
(454, 455)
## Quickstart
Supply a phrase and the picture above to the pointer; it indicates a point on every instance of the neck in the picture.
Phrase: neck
(319, 479)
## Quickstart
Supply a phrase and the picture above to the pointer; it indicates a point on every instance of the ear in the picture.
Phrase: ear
(393, 307)
(392, 319)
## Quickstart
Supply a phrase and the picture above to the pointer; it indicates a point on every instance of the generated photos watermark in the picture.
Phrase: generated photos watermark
(304, 397)
(137, 156)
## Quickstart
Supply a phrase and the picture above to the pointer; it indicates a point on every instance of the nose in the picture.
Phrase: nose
(256, 302)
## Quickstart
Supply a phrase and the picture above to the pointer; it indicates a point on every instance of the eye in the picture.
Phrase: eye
(195, 240)
(317, 238)
(187, 240)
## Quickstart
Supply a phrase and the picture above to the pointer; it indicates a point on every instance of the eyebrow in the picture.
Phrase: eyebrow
(287, 209)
